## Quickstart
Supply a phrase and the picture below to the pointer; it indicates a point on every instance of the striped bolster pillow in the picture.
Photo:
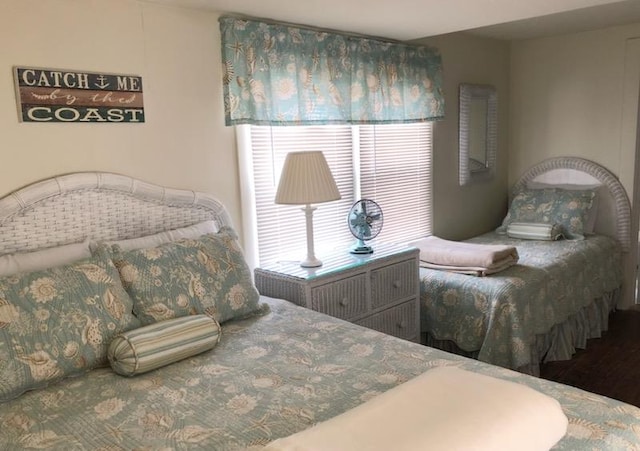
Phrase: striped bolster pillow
(147, 348)
(534, 231)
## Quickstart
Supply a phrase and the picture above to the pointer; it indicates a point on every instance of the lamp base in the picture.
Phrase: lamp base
(310, 263)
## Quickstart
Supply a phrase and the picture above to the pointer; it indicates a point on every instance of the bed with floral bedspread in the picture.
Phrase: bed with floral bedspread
(560, 292)
(143, 277)
(269, 377)
(556, 297)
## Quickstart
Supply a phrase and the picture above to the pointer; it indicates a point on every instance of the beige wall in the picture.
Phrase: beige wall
(183, 144)
(566, 95)
(463, 211)
(577, 95)
(567, 98)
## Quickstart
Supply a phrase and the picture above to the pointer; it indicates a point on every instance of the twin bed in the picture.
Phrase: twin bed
(273, 373)
(558, 295)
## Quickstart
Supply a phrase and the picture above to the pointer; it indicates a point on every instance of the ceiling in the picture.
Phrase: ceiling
(583, 19)
(414, 19)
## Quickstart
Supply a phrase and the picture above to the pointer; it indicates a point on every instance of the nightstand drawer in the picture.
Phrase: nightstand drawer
(393, 283)
(345, 299)
(379, 291)
(399, 321)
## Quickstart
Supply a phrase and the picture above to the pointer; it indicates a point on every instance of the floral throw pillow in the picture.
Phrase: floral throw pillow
(568, 208)
(206, 275)
(59, 322)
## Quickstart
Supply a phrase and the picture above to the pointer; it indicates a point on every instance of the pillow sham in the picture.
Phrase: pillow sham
(167, 236)
(150, 347)
(590, 223)
(59, 322)
(43, 259)
(569, 208)
(207, 275)
(534, 231)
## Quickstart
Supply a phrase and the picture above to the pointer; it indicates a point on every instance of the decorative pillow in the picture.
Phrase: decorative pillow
(193, 276)
(150, 347)
(569, 208)
(59, 322)
(43, 259)
(144, 242)
(590, 224)
(534, 231)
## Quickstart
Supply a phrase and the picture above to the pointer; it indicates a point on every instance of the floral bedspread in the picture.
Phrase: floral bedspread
(269, 377)
(500, 315)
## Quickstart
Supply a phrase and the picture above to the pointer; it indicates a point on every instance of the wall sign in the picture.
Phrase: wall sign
(53, 95)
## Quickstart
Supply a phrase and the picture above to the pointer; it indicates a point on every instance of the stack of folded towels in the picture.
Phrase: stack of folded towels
(444, 409)
(465, 258)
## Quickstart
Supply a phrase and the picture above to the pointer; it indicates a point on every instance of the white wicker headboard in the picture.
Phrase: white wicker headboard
(99, 205)
(614, 210)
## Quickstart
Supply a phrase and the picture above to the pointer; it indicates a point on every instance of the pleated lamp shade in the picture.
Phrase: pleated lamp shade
(306, 179)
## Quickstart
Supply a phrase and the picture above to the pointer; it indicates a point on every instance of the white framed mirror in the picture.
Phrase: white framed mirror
(478, 132)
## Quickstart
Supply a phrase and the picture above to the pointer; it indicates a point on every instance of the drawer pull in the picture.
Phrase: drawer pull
(396, 284)
(344, 302)
(402, 325)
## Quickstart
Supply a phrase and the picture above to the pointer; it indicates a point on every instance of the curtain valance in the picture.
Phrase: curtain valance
(276, 74)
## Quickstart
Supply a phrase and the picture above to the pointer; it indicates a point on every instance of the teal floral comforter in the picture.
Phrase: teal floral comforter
(269, 377)
(498, 317)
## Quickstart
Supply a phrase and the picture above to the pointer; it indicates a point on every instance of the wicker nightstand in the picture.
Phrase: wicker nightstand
(380, 291)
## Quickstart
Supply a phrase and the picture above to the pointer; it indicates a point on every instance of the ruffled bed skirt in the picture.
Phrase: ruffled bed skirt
(561, 342)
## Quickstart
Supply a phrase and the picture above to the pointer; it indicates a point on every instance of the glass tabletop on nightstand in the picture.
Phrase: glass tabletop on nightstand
(336, 261)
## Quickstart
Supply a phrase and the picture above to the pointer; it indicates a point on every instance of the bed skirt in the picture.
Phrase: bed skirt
(561, 342)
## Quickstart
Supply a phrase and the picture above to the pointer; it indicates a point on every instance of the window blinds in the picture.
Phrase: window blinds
(395, 168)
(390, 164)
(281, 228)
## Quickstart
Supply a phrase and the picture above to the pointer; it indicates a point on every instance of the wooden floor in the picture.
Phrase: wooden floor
(610, 365)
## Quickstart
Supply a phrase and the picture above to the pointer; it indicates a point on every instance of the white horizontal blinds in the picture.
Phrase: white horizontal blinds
(395, 165)
(281, 228)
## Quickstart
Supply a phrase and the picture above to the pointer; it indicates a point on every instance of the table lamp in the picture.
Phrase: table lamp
(306, 179)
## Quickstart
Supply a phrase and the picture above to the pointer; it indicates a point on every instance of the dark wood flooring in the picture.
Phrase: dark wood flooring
(610, 365)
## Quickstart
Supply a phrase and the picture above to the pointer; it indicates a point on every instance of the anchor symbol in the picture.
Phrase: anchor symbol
(103, 82)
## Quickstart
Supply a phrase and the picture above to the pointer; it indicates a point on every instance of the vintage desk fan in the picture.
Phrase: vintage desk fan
(365, 223)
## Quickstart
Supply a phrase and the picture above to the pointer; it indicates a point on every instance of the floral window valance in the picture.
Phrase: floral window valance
(277, 74)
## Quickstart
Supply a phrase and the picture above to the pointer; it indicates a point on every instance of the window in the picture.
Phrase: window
(390, 164)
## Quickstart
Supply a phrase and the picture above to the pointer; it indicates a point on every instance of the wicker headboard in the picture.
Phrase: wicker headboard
(614, 210)
(99, 205)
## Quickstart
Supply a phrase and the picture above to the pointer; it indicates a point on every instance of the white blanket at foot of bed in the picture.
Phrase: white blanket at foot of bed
(445, 408)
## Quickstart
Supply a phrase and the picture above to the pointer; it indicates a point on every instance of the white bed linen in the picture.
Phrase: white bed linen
(443, 409)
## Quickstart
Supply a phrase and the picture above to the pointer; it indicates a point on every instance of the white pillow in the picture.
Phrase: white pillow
(43, 259)
(168, 236)
(590, 223)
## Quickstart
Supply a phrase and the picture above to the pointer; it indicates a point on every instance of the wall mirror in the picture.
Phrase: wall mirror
(478, 132)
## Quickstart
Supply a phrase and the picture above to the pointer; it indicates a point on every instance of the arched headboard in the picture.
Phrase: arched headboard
(100, 205)
(614, 210)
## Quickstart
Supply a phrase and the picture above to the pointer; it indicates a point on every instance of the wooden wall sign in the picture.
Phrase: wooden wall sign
(53, 95)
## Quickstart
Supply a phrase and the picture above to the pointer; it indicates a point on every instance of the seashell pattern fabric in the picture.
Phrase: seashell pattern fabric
(567, 208)
(562, 289)
(270, 376)
(206, 275)
(58, 322)
(275, 74)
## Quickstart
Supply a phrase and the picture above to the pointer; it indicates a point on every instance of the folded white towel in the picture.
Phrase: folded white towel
(472, 270)
(457, 253)
(445, 408)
